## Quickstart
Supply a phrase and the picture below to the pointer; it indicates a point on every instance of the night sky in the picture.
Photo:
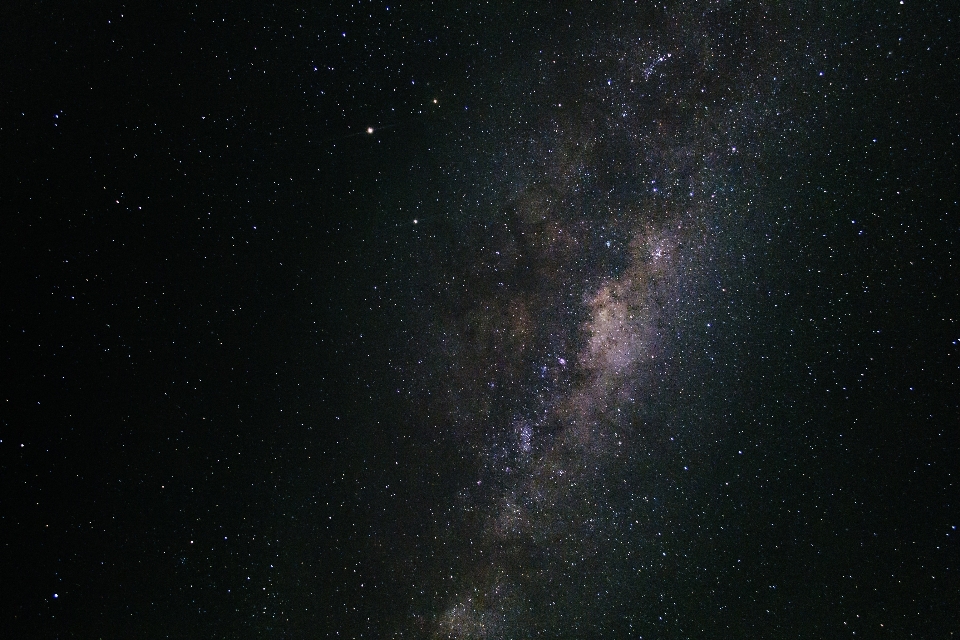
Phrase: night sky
(480, 320)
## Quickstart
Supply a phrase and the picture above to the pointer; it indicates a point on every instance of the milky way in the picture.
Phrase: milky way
(481, 320)
(573, 305)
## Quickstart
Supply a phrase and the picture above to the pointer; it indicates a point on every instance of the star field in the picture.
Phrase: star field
(475, 320)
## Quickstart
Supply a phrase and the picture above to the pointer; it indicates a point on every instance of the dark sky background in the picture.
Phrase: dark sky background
(480, 320)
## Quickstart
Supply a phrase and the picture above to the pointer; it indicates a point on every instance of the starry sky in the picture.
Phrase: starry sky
(480, 320)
